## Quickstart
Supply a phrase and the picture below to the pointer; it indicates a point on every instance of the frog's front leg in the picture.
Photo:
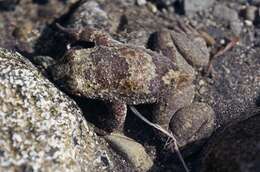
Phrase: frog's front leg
(117, 113)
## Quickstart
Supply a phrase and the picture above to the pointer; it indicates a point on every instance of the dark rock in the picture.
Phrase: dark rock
(234, 148)
(8, 5)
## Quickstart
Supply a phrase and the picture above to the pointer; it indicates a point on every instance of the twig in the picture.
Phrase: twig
(230, 45)
(158, 127)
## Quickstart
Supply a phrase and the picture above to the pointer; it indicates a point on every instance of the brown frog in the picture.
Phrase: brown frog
(123, 74)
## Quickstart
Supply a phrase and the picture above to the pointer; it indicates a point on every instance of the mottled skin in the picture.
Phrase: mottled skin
(122, 74)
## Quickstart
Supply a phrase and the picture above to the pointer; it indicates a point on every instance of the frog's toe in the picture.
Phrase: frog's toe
(187, 29)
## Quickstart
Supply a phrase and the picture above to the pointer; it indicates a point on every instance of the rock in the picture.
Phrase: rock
(250, 13)
(191, 6)
(131, 150)
(40, 127)
(223, 12)
(89, 14)
(234, 148)
(192, 125)
(236, 27)
(141, 2)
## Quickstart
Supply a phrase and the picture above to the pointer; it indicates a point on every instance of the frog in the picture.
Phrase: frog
(122, 74)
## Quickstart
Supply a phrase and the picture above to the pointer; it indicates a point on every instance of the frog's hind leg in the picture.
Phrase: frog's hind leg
(172, 102)
(117, 112)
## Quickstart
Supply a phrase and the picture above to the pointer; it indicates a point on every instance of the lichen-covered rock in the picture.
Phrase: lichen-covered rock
(41, 129)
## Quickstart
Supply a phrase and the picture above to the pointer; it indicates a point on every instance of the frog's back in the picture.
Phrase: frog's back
(123, 73)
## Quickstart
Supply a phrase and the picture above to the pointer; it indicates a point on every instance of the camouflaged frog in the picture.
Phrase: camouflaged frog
(122, 74)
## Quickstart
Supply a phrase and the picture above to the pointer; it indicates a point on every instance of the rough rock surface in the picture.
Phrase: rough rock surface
(41, 129)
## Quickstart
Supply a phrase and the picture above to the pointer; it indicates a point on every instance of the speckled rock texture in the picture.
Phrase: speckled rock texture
(41, 129)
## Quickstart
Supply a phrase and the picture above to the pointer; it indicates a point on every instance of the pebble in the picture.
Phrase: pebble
(141, 2)
(152, 7)
(131, 150)
(192, 126)
(248, 23)
(236, 27)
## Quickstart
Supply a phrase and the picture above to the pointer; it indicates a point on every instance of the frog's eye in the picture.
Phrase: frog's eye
(82, 44)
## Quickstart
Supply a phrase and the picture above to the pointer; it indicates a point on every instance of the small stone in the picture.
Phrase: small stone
(223, 12)
(248, 23)
(131, 150)
(141, 2)
(250, 13)
(191, 6)
(203, 90)
(152, 7)
(234, 147)
(236, 27)
(192, 125)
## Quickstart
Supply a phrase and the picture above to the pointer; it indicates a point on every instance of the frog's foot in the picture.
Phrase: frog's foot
(117, 112)
(87, 34)
(191, 45)
(165, 45)
(172, 102)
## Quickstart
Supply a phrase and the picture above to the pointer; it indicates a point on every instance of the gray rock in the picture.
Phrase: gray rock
(236, 27)
(234, 148)
(223, 12)
(191, 6)
(250, 13)
(42, 129)
(192, 125)
(131, 150)
(89, 14)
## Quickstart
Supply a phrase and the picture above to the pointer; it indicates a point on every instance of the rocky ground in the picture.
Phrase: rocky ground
(44, 128)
